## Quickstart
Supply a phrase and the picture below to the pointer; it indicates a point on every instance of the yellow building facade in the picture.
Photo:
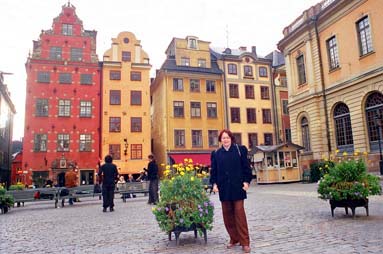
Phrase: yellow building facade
(187, 103)
(334, 65)
(126, 126)
(249, 97)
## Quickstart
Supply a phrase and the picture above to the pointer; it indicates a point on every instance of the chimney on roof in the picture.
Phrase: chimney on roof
(254, 50)
(243, 48)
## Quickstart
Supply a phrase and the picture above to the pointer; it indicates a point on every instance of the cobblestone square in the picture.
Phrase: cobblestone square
(284, 218)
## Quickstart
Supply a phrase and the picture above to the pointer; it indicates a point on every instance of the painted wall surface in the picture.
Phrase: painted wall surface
(351, 83)
(128, 160)
(245, 127)
(52, 158)
(164, 122)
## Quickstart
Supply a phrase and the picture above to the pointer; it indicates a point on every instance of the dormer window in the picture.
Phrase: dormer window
(192, 43)
(185, 61)
(202, 63)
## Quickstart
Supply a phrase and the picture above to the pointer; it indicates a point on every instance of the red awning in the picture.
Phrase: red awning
(200, 158)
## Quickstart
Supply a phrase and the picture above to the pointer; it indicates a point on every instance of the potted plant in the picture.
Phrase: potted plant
(6, 201)
(184, 204)
(347, 184)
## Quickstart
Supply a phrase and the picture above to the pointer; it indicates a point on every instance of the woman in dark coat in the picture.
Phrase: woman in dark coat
(231, 176)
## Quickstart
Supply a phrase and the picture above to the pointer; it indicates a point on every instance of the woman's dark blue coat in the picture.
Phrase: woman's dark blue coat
(229, 169)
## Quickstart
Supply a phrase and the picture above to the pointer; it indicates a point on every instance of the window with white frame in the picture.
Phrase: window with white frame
(364, 36)
(64, 108)
(63, 142)
(40, 142)
(85, 142)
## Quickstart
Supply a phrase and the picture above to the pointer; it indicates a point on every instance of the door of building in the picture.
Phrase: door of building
(61, 179)
(87, 177)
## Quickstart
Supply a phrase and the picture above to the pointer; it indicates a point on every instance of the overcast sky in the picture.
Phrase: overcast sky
(155, 22)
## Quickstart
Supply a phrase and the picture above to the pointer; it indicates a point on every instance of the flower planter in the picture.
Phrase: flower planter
(352, 203)
(194, 227)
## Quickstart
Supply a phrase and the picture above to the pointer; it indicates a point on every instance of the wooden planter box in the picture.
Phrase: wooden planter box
(178, 230)
(349, 204)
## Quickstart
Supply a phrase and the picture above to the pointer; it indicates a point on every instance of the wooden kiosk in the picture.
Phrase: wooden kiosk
(277, 163)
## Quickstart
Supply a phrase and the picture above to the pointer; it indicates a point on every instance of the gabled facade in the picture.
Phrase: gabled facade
(7, 112)
(126, 104)
(62, 110)
(334, 65)
(187, 99)
(248, 96)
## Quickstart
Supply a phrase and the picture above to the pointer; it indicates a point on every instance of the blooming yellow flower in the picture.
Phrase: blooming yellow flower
(365, 153)
(167, 167)
(182, 173)
(326, 166)
(345, 153)
(186, 160)
(337, 150)
(153, 208)
(190, 161)
(192, 178)
(162, 164)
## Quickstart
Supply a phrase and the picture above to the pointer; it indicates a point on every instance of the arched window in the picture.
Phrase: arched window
(374, 109)
(343, 130)
(305, 134)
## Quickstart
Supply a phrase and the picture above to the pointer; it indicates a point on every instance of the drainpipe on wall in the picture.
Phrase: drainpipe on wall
(273, 101)
(315, 19)
(225, 99)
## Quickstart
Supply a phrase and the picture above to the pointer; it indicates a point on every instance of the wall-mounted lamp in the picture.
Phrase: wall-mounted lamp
(126, 146)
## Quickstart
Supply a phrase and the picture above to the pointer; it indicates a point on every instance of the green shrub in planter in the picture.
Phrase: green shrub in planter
(348, 180)
(18, 186)
(319, 169)
(6, 201)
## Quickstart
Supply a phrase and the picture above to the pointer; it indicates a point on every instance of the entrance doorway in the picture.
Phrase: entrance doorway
(61, 179)
(87, 177)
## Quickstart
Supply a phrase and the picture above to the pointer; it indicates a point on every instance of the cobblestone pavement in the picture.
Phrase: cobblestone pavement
(286, 218)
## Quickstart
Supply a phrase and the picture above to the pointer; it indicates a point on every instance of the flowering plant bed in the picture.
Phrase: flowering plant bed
(347, 183)
(184, 204)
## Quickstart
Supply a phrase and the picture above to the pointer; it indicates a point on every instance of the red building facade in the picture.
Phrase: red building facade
(62, 112)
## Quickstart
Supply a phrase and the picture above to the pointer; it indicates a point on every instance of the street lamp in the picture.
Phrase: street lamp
(378, 122)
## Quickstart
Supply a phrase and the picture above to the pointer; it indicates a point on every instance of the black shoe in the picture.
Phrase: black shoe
(104, 210)
(111, 209)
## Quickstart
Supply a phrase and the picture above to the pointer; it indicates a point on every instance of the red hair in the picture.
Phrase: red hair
(229, 133)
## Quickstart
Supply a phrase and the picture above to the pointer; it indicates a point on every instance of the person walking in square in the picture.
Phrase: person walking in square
(231, 176)
(108, 174)
(153, 180)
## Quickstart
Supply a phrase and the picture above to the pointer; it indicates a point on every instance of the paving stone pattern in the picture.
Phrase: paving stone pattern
(285, 218)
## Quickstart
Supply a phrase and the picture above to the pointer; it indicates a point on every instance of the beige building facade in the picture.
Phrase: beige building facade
(187, 103)
(334, 65)
(126, 131)
(248, 96)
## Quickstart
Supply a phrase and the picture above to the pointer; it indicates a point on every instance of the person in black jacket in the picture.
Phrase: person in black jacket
(108, 174)
(231, 176)
(153, 180)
